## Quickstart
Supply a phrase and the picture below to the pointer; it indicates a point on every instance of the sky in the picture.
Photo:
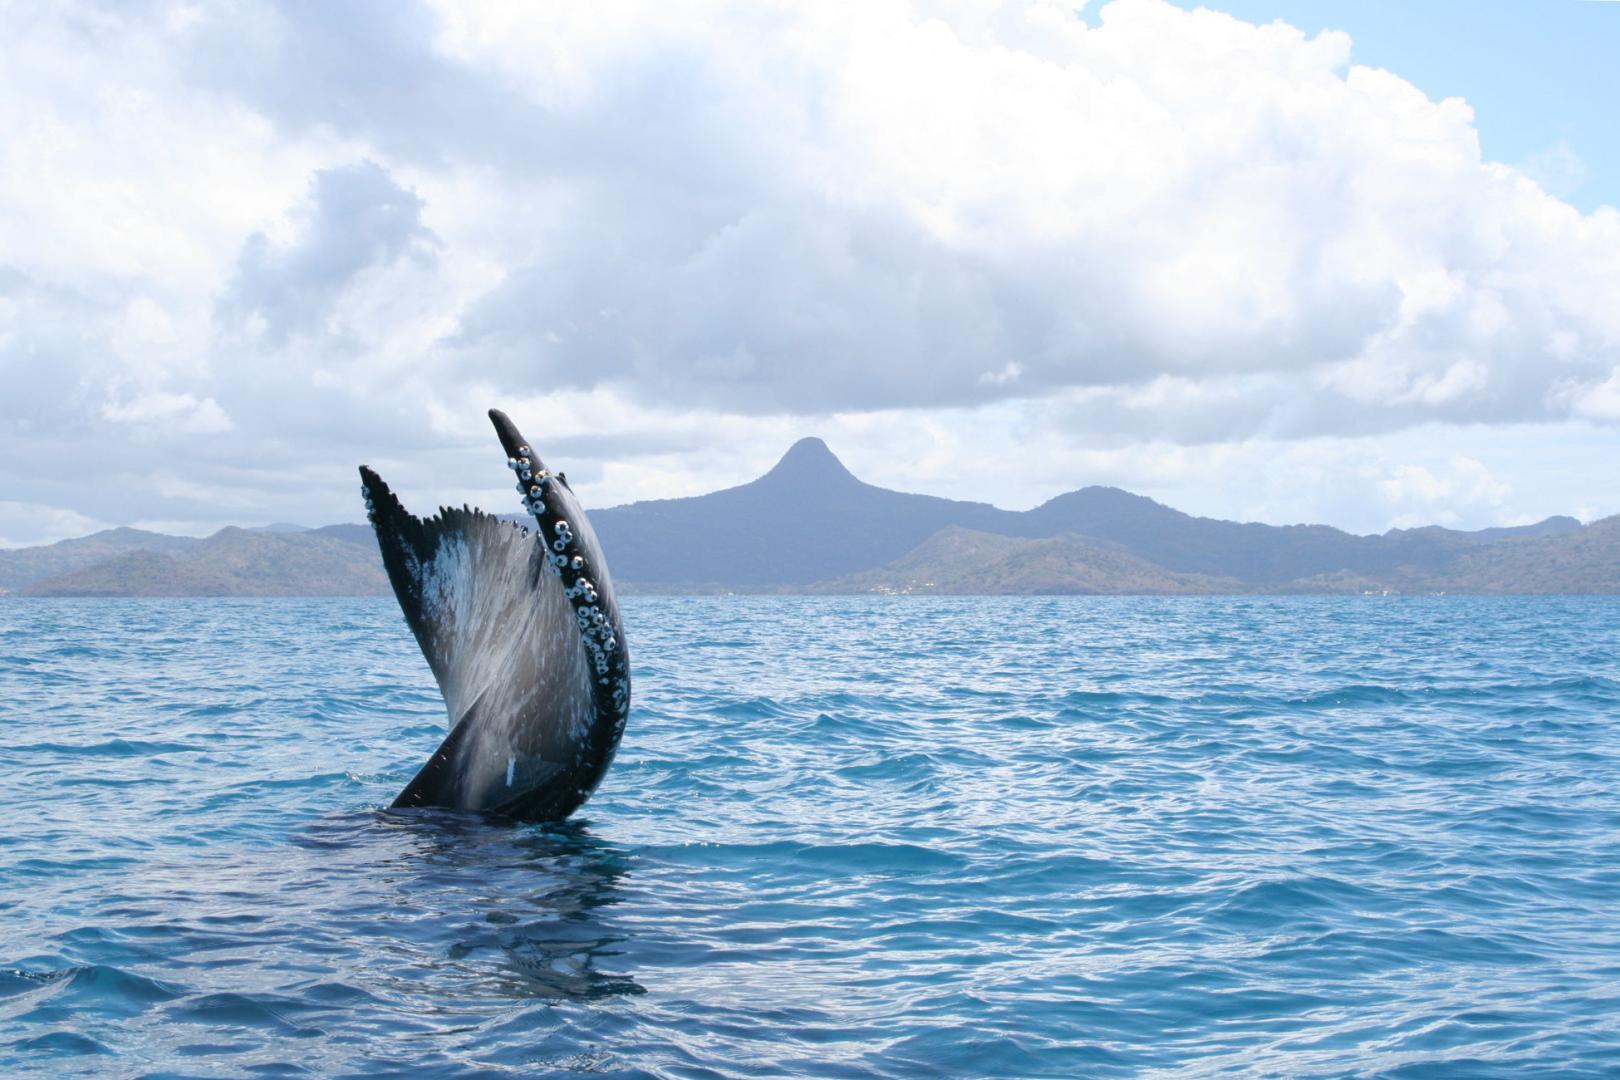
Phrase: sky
(1539, 74)
(1286, 261)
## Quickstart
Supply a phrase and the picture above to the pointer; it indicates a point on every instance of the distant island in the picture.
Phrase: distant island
(810, 526)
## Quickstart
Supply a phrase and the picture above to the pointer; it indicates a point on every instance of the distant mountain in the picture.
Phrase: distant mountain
(20, 566)
(806, 520)
(964, 562)
(1553, 526)
(349, 534)
(809, 525)
(234, 562)
(1584, 561)
(809, 520)
(1251, 552)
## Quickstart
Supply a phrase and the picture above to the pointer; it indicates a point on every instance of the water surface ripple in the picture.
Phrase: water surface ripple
(843, 838)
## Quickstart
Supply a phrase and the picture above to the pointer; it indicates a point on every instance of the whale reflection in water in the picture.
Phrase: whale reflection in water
(480, 907)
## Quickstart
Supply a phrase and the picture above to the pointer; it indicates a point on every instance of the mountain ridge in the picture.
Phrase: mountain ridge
(232, 562)
(809, 524)
(756, 534)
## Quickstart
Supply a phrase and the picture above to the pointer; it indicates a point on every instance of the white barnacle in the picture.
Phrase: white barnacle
(560, 544)
(577, 563)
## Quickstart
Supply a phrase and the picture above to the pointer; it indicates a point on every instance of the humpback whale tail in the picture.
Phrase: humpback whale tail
(523, 635)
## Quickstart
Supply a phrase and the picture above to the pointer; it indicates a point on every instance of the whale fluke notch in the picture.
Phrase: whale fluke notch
(523, 635)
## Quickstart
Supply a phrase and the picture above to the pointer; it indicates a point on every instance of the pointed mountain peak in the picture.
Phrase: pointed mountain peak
(809, 462)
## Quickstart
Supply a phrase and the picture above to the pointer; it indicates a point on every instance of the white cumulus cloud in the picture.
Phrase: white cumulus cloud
(258, 243)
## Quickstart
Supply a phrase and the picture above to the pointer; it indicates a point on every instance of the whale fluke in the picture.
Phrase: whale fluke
(522, 633)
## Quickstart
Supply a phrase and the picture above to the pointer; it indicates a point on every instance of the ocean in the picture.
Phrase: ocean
(844, 837)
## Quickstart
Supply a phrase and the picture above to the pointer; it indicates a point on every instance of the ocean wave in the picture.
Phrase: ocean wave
(846, 838)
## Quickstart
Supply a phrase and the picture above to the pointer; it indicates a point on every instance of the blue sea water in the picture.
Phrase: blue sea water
(896, 837)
